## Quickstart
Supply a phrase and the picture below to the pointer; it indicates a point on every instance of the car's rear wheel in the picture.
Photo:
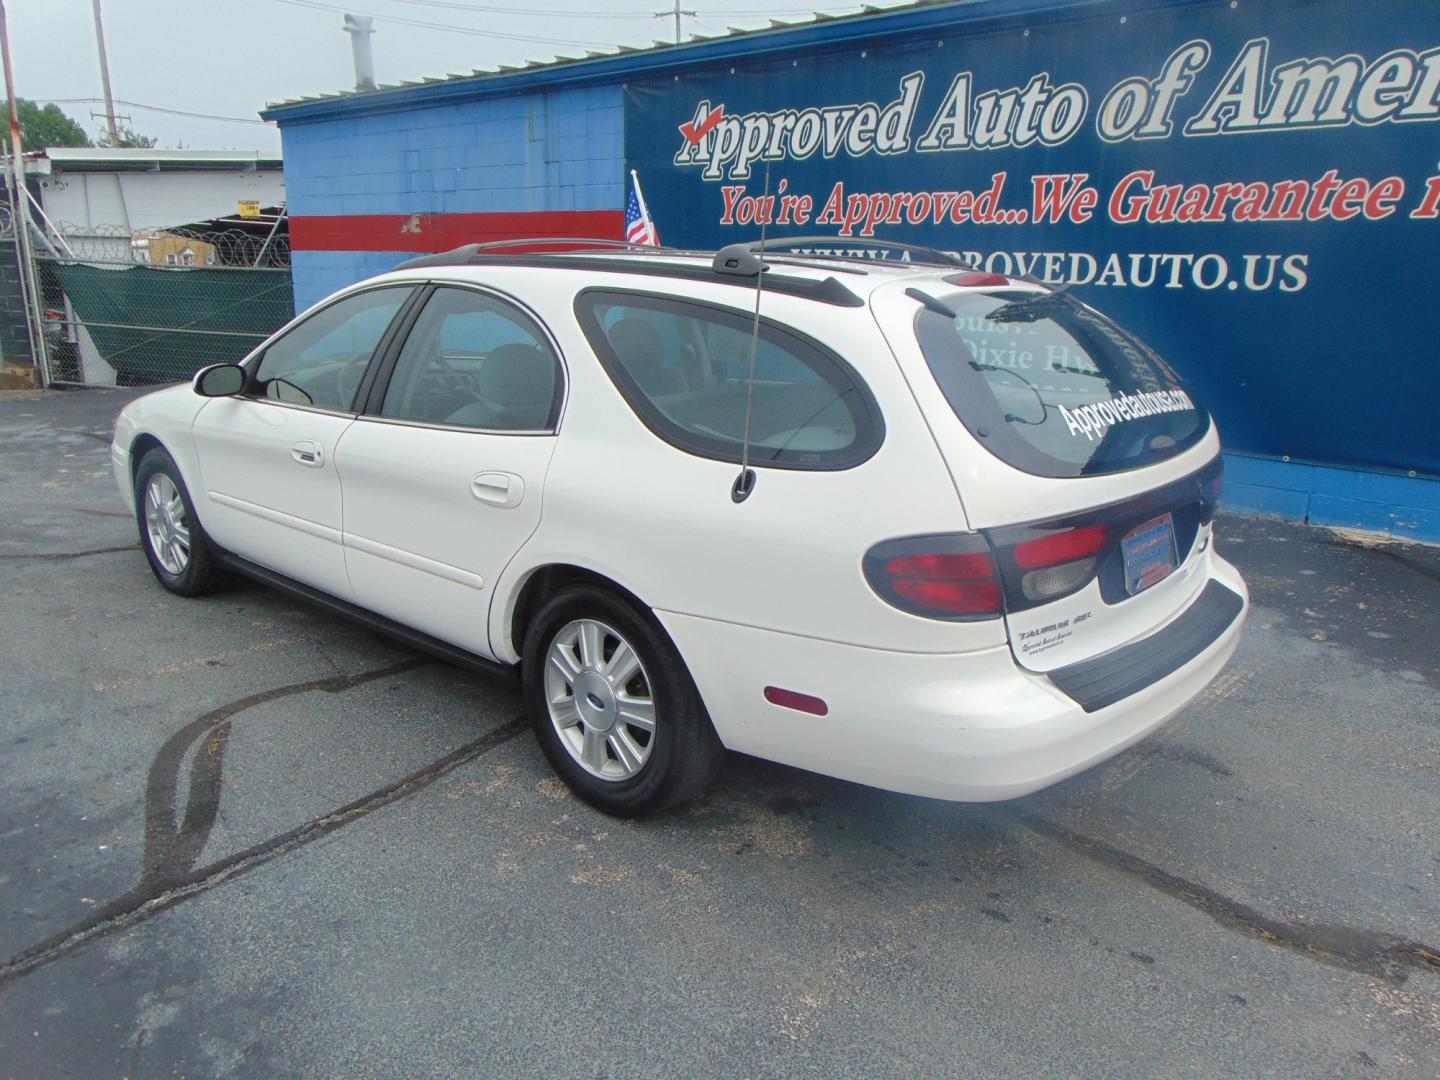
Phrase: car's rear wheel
(176, 546)
(613, 706)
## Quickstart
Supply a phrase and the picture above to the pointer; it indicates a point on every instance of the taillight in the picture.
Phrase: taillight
(948, 576)
(1060, 547)
(1216, 485)
(1059, 562)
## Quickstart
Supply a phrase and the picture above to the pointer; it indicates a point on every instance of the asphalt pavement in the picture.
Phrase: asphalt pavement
(240, 837)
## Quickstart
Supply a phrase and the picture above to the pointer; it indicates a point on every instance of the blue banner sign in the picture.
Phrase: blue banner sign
(1253, 188)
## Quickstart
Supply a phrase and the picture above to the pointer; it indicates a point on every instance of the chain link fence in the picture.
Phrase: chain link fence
(154, 306)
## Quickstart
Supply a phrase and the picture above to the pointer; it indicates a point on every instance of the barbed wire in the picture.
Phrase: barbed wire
(136, 307)
(170, 247)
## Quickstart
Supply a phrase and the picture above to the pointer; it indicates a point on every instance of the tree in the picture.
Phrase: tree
(128, 137)
(47, 126)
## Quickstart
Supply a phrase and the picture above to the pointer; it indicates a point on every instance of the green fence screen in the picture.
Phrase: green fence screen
(156, 324)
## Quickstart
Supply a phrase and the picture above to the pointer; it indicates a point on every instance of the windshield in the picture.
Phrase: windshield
(1053, 387)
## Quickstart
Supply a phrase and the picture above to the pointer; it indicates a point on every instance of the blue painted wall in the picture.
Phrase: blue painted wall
(1407, 507)
(547, 151)
(557, 150)
(317, 274)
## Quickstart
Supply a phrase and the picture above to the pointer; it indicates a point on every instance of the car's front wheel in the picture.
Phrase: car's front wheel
(613, 706)
(175, 545)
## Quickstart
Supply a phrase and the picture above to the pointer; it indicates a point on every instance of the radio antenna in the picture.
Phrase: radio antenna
(745, 482)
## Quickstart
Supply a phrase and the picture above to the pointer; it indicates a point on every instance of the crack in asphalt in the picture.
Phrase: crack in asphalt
(53, 556)
(1369, 952)
(169, 876)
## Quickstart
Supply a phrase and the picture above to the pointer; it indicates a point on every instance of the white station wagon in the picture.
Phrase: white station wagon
(914, 525)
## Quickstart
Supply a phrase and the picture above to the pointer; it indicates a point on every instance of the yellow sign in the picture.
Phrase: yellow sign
(249, 208)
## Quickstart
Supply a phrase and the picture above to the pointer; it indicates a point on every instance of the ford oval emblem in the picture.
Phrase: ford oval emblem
(595, 700)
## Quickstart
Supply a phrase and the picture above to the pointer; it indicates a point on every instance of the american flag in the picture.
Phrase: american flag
(639, 229)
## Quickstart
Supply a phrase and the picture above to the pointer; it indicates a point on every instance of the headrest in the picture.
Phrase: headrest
(519, 377)
(637, 344)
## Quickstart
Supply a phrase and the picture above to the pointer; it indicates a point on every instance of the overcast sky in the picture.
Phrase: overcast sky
(231, 57)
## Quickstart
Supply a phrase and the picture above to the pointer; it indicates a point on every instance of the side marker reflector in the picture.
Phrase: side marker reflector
(791, 699)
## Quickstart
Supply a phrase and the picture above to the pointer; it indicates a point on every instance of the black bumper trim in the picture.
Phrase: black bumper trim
(1110, 677)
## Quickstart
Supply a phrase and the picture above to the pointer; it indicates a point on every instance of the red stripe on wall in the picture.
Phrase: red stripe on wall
(440, 232)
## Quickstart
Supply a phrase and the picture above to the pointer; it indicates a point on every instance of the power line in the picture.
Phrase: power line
(447, 27)
(675, 14)
(154, 108)
(454, 5)
(778, 11)
(493, 9)
(490, 9)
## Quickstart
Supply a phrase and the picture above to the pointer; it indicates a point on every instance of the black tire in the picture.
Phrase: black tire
(684, 752)
(202, 573)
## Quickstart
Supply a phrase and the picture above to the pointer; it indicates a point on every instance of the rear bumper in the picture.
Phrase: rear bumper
(973, 727)
(1103, 680)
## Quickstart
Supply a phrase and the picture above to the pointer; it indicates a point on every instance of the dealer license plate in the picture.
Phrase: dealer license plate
(1149, 553)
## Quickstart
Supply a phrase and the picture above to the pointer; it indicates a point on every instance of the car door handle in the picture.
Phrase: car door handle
(498, 488)
(308, 452)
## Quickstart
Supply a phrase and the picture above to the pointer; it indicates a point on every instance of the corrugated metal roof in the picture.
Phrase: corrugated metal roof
(123, 159)
(921, 16)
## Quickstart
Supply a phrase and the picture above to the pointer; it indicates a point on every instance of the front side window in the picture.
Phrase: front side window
(472, 360)
(322, 360)
(684, 368)
(1053, 387)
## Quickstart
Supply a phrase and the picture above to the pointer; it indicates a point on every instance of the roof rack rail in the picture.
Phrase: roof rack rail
(463, 255)
(503, 252)
(575, 241)
(826, 291)
(936, 256)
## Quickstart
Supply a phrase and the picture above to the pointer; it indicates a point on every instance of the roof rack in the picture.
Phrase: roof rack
(936, 257)
(468, 253)
(503, 252)
(465, 253)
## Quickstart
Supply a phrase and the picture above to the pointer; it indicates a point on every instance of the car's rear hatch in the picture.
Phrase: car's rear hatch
(1142, 561)
(1076, 452)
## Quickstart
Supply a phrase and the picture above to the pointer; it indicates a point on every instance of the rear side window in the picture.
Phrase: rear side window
(473, 360)
(1055, 388)
(684, 368)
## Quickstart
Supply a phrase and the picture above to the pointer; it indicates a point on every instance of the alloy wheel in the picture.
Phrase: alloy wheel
(600, 700)
(166, 524)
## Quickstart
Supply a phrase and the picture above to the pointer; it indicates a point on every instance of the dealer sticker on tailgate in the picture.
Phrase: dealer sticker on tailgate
(1149, 553)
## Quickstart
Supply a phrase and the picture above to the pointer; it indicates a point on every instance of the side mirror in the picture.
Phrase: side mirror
(220, 380)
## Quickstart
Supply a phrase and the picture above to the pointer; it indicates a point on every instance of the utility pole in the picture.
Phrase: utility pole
(20, 216)
(105, 77)
(676, 13)
(10, 87)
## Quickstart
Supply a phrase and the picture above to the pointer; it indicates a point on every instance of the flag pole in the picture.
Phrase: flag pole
(645, 210)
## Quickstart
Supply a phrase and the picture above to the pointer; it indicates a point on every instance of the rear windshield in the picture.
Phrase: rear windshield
(1053, 387)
